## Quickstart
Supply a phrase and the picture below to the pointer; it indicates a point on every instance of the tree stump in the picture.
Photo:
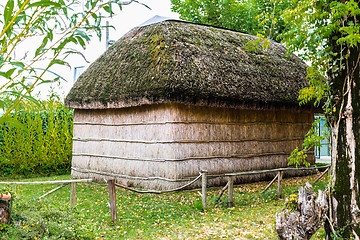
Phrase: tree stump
(5, 205)
(308, 217)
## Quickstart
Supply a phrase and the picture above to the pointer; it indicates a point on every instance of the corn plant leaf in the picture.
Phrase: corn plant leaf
(108, 9)
(45, 3)
(82, 34)
(81, 42)
(3, 104)
(8, 73)
(52, 72)
(27, 97)
(41, 47)
(18, 64)
(8, 12)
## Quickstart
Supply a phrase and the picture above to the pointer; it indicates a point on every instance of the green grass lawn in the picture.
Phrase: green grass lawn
(145, 216)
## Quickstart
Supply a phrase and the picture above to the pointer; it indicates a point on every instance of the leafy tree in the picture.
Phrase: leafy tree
(249, 16)
(328, 34)
(37, 35)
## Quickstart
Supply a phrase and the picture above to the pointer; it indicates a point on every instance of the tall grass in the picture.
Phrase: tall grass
(40, 144)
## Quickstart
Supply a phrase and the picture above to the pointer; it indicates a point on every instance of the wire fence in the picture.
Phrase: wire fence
(191, 181)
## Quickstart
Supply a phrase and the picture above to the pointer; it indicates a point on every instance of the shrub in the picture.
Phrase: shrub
(40, 144)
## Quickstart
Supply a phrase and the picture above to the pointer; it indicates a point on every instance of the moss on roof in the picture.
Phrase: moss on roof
(174, 61)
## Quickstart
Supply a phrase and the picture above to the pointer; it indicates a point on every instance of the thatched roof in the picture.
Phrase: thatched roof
(174, 61)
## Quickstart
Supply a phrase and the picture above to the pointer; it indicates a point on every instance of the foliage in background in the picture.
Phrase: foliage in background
(42, 143)
(312, 140)
(249, 16)
(37, 37)
(327, 33)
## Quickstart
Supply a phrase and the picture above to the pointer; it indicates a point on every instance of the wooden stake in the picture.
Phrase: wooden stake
(112, 195)
(222, 191)
(280, 173)
(73, 194)
(269, 185)
(203, 188)
(231, 191)
(321, 175)
(54, 190)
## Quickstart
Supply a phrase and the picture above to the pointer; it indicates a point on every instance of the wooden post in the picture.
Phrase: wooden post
(53, 190)
(5, 208)
(280, 175)
(269, 185)
(321, 175)
(222, 191)
(203, 188)
(112, 194)
(73, 194)
(231, 191)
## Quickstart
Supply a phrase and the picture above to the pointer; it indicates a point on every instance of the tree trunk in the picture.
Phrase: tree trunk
(4, 212)
(344, 212)
(306, 220)
(5, 205)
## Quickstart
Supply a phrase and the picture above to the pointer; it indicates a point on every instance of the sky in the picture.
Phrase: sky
(123, 21)
(131, 16)
(135, 14)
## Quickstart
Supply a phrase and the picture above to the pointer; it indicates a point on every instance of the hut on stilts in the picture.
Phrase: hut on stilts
(172, 98)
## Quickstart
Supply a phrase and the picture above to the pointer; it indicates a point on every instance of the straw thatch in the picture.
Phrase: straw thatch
(173, 98)
(182, 62)
(163, 146)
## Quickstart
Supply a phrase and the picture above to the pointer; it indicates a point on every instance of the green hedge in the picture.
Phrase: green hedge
(41, 146)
